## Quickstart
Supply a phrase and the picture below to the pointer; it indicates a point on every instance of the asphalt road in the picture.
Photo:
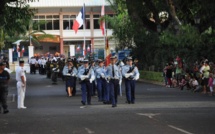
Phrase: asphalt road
(158, 110)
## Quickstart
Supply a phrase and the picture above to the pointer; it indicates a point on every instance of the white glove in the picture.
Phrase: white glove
(120, 82)
(82, 77)
(92, 78)
(136, 77)
(23, 85)
(74, 75)
(8, 70)
(102, 75)
(128, 75)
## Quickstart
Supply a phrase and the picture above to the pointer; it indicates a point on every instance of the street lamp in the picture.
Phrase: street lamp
(158, 28)
(197, 19)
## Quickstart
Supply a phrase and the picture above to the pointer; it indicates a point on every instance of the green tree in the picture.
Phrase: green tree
(14, 20)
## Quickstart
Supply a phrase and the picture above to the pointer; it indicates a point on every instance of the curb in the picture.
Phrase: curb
(151, 82)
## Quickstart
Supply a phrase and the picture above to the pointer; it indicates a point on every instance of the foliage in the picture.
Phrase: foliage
(152, 76)
(14, 20)
(122, 25)
(186, 35)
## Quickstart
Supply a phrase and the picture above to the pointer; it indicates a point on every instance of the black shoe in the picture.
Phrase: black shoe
(89, 103)
(104, 102)
(6, 111)
(114, 105)
(83, 103)
(132, 102)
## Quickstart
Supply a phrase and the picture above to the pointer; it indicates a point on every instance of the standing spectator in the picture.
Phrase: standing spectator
(4, 78)
(21, 85)
(205, 71)
(164, 74)
(178, 73)
(169, 74)
(210, 84)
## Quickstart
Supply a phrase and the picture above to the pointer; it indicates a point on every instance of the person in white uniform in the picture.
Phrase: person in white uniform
(21, 85)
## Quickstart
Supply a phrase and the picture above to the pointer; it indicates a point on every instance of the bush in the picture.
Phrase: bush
(150, 75)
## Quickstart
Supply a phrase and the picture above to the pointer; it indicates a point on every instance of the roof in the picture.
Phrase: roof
(17, 42)
(66, 3)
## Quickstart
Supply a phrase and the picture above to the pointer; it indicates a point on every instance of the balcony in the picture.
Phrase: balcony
(70, 34)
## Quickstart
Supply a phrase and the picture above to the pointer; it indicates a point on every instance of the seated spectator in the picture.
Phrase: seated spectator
(182, 83)
(194, 84)
(174, 82)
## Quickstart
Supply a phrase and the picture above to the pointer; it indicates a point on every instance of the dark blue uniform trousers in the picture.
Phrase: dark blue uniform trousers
(101, 88)
(114, 89)
(130, 90)
(86, 88)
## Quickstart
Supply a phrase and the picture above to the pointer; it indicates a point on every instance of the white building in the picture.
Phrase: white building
(56, 18)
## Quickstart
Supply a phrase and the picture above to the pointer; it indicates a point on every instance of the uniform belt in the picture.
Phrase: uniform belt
(114, 78)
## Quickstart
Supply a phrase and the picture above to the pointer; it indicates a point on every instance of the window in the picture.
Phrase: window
(46, 22)
(96, 24)
(68, 21)
(96, 21)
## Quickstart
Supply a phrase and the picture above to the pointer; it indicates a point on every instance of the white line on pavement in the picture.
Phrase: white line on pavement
(89, 131)
(179, 129)
(150, 115)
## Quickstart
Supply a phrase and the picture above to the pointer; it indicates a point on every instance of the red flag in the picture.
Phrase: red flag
(102, 23)
(108, 54)
(79, 21)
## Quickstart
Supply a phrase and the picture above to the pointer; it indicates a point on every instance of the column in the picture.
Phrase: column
(61, 32)
(10, 55)
(72, 50)
(30, 51)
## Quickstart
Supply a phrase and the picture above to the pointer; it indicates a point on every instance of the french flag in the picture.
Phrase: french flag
(79, 21)
(14, 48)
(78, 48)
(23, 49)
(88, 48)
(17, 48)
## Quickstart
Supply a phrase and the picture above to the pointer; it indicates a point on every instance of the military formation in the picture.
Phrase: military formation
(93, 76)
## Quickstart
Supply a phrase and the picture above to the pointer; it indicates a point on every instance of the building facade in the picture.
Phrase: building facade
(56, 17)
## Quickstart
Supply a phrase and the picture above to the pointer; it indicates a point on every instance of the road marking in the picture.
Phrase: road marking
(13, 97)
(179, 129)
(82, 106)
(150, 115)
(49, 86)
(89, 131)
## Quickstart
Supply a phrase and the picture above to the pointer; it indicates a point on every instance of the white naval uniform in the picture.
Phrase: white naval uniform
(21, 88)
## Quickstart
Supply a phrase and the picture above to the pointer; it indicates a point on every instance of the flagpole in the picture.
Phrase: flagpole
(105, 33)
(84, 32)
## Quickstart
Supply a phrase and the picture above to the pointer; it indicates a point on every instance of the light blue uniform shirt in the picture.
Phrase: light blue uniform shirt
(126, 68)
(99, 71)
(82, 70)
(66, 71)
(117, 72)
